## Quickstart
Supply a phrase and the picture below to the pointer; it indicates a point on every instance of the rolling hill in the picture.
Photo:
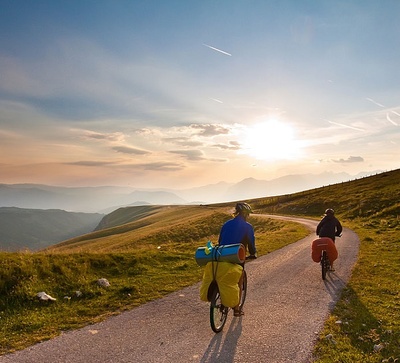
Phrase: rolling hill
(147, 252)
(125, 228)
(34, 229)
(105, 199)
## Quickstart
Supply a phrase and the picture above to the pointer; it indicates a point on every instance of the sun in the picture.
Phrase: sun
(271, 140)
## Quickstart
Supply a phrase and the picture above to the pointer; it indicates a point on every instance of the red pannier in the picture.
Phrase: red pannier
(323, 243)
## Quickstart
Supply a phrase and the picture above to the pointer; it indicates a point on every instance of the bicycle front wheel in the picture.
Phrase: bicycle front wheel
(243, 287)
(218, 312)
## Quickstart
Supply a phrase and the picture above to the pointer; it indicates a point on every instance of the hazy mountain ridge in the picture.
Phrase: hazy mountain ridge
(127, 227)
(107, 198)
(35, 229)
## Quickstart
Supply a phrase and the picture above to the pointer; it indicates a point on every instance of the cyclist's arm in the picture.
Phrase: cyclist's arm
(251, 241)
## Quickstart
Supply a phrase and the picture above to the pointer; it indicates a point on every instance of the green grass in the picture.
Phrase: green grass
(369, 309)
(150, 264)
(134, 280)
(368, 313)
(147, 253)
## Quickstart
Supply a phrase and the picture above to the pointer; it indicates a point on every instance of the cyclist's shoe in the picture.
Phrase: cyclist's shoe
(251, 257)
(238, 312)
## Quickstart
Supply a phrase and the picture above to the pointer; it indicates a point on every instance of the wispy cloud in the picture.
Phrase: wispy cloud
(182, 141)
(350, 159)
(160, 166)
(193, 155)
(129, 150)
(346, 126)
(91, 163)
(114, 136)
(211, 129)
(232, 145)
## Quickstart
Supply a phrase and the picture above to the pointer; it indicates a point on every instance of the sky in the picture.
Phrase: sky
(182, 93)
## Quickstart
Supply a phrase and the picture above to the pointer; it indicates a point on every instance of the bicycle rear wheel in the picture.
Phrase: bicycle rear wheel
(324, 264)
(218, 312)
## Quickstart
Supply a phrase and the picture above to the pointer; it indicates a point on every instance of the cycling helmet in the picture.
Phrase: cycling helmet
(330, 211)
(242, 207)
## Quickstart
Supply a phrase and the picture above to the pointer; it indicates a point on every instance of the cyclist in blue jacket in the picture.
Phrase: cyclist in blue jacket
(238, 230)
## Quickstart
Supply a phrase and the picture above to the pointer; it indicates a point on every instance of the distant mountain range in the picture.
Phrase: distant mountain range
(108, 198)
(36, 229)
(34, 216)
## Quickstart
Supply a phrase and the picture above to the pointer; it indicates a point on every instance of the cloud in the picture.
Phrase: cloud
(232, 145)
(114, 136)
(129, 150)
(90, 163)
(160, 166)
(190, 154)
(350, 159)
(211, 129)
(182, 141)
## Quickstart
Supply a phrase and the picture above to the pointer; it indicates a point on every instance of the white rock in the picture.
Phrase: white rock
(103, 282)
(45, 297)
(378, 347)
(330, 338)
(78, 293)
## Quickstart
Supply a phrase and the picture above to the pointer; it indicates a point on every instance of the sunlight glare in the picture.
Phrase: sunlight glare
(271, 140)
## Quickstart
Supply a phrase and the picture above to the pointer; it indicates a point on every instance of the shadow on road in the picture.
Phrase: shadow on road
(334, 285)
(223, 350)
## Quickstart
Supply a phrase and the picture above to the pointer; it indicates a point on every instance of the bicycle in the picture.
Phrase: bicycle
(325, 264)
(219, 312)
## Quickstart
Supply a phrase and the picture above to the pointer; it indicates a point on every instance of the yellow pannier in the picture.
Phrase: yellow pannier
(227, 276)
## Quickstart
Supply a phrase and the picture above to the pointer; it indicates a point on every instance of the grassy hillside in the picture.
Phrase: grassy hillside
(365, 324)
(376, 197)
(35, 229)
(146, 252)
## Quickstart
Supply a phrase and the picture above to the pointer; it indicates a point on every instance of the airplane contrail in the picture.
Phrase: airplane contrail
(390, 120)
(376, 103)
(396, 113)
(216, 100)
(218, 50)
(347, 126)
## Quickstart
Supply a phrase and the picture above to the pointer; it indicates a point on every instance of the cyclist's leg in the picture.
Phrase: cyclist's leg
(236, 310)
(331, 263)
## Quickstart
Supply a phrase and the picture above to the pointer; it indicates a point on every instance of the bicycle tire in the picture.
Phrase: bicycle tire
(244, 290)
(218, 312)
(324, 264)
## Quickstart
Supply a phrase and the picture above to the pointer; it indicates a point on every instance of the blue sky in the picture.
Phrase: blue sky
(176, 94)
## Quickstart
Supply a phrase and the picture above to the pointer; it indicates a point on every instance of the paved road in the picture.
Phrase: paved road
(286, 306)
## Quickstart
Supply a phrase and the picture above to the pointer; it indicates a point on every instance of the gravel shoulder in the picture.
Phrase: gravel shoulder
(286, 306)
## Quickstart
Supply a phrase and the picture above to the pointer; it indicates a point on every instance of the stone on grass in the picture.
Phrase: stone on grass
(103, 282)
(42, 296)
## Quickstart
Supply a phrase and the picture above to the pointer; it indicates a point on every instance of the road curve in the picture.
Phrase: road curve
(287, 304)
